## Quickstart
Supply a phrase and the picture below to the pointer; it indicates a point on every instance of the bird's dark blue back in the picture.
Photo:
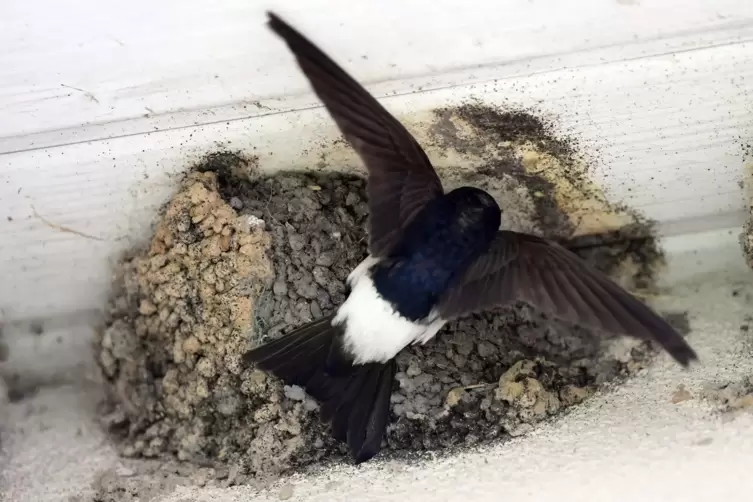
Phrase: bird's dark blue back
(442, 241)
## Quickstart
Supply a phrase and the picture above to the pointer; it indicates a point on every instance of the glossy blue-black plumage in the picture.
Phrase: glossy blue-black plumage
(441, 242)
(435, 252)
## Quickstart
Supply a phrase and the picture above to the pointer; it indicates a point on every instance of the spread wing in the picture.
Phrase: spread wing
(521, 267)
(401, 179)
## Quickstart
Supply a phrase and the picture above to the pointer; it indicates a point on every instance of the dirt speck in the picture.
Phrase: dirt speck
(238, 258)
(4, 350)
(681, 394)
(36, 328)
(704, 442)
(746, 237)
(17, 389)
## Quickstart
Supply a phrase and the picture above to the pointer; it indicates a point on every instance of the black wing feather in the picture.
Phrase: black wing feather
(521, 267)
(401, 178)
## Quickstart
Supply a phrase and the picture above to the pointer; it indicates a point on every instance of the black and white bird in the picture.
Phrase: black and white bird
(434, 256)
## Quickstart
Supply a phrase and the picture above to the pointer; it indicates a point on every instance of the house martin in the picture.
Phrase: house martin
(434, 256)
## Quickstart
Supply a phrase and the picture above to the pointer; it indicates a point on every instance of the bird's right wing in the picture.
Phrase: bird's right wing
(522, 267)
(401, 179)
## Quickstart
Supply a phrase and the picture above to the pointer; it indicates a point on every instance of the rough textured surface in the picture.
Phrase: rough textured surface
(731, 397)
(171, 351)
(210, 283)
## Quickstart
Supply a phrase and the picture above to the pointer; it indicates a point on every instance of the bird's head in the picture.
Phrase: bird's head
(477, 205)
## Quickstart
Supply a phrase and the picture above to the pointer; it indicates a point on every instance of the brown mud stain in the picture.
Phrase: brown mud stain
(544, 185)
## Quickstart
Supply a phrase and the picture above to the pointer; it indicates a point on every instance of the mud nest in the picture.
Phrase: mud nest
(233, 262)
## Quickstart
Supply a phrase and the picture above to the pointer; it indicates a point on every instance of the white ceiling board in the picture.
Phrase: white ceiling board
(92, 69)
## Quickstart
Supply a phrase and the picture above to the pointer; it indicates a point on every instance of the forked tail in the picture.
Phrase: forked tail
(355, 398)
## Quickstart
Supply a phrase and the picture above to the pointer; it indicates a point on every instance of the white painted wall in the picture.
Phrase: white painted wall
(102, 100)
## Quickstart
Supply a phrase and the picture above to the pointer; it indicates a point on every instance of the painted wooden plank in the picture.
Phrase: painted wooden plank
(96, 69)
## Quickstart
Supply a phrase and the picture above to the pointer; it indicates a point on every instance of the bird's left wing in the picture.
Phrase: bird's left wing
(521, 267)
(401, 179)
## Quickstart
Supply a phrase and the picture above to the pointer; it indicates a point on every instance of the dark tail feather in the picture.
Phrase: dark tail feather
(356, 398)
(293, 357)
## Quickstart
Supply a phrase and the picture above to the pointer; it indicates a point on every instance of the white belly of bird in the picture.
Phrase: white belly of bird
(374, 331)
